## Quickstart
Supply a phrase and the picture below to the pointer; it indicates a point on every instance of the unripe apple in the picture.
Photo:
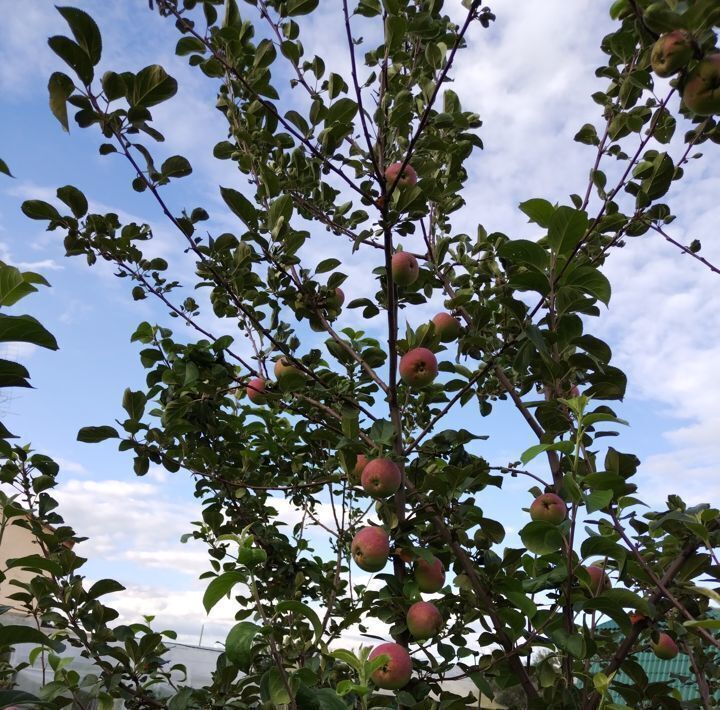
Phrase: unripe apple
(701, 93)
(599, 581)
(548, 507)
(288, 376)
(360, 462)
(447, 327)
(256, 390)
(381, 478)
(396, 672)
(370, 548)
(429, 576)
(424, 620)
(407, 179)
(671, 53)
(664, 647)
(405, 268)
(418, 368)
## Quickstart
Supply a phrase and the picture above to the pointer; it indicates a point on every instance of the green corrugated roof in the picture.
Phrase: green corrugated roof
(656, 669)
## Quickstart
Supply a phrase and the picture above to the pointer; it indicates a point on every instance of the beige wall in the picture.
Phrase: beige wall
(16, 542)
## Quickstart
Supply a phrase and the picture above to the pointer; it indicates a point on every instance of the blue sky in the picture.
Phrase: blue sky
(532, 94)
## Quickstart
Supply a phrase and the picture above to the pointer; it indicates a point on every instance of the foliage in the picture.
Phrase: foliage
(526, 308)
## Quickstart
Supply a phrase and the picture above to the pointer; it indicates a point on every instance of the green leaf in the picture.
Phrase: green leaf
(93, 434)
(538, 210)
(347, 657)
(60, 88)
(84, 30)
(25, 329)
(13, 286)
(703, 624)
(74, 56)
(152, 86)
(34, 563)
(240, 206)
(239, 642)
(565, 447)
(134, 404)
(11, 635)
(13, 374)
(272, 688)
(566, 228)
(220, 587)
(597, 500)
(327, 265)
(74, 199)
(342, 111)
(301, 7)
(176, 167)
(541, 537)
(104, 586)
(37, 209)
(303, 610)
(523, 251)
(4, 168)
(600, 546)
(16, 697)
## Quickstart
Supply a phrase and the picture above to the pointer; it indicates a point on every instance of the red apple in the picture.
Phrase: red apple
(671, 53)
(574, 392)
(288, 376)
(429, 576)
(702, 88)
(405, 268)
(381, 478)
(418, 368)
(636, 618)
(256, 390)
(548, 507)
(370, 548)
(407, 179)
(360, 463)
(424, 620)
(599, 581)
(396, 672)
(664, 647)
(447, 327)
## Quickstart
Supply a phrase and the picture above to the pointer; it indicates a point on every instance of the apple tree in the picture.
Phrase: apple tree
(302, 406)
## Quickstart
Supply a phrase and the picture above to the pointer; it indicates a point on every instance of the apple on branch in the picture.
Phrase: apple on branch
(405, 268)
(370, 548)
(395, 673)
(671, 53)
(381, 478)
(447, 327)
(256, 391)
(289, 376)
(664, 647)
(548, 507)
(424, 620)
(701, 92)
(418, 367)
(429, 576)
(408, 178)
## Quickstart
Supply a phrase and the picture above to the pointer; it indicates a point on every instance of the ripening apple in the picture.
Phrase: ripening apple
(288, 376)
(447, 327)
(405, 268)
(370, 548)
(424, 620)
(599, 581)
(360, 462)
(429, 576)
(336, 299)
(418, 367)
(396, 672)
(407, 179)
(548, 507)
(701, 93)
(664, 648)
(671, 53)
(256, 391)
(381, 478)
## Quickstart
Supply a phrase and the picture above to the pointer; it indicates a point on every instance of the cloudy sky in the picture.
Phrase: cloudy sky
(529, 77)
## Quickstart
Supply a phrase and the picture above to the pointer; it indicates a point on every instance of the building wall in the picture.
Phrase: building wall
(15, 542)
